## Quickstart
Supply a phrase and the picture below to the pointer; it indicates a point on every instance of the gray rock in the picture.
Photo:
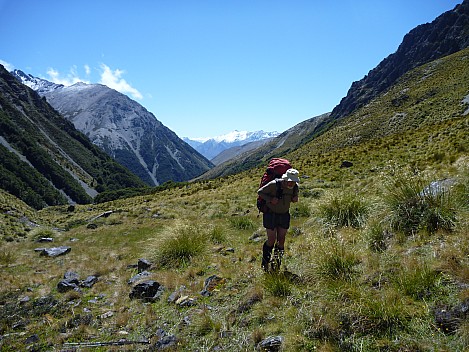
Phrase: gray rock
(148, 291)
(55, 251)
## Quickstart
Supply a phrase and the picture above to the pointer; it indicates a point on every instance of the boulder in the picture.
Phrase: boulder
(148, 291)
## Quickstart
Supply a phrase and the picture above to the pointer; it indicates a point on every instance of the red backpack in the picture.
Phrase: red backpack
(276, 168)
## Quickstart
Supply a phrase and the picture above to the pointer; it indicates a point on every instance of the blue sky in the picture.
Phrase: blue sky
(208, 67)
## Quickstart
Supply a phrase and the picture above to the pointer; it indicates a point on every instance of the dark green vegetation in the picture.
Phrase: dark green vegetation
(53, 160)
(376, 258)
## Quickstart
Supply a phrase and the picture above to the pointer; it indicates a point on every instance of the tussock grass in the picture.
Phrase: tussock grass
(179, 245)
(416, 204)
(344, 209)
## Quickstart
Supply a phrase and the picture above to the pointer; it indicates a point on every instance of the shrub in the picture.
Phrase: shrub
(416, 204)
(347, 209)
(183, 243)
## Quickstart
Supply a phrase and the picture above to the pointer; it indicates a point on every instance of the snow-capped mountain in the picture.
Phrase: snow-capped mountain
(40, 85)
(124, 129)
(211, 147)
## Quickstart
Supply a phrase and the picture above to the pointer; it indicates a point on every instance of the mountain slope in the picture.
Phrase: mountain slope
(44, 159)
(447, 34)
(125, 130)
(287, 141)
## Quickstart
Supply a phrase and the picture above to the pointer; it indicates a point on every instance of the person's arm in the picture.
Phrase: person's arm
(294, 198)
(266, 194)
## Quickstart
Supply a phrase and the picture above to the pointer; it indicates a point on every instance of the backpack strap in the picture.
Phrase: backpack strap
(278, 183)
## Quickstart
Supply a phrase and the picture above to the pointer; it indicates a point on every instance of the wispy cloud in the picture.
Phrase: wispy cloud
(9, 67)
(72, 76)
(113, 80)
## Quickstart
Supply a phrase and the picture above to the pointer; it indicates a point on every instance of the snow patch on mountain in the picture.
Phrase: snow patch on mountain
(212, 146)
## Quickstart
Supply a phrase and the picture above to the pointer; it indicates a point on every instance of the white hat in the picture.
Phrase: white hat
(291, 175)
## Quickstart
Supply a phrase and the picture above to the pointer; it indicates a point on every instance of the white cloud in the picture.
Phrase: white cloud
(113, 80)
(9, 67)
(87, 70)
(71, 78)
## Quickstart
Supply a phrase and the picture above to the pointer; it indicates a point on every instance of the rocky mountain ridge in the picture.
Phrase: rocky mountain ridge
(125, 130)
(44, 160)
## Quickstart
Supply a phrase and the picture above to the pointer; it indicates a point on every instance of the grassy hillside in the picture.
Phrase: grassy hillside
(375, 260)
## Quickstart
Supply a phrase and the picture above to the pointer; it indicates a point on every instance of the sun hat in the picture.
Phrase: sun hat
(291, 175)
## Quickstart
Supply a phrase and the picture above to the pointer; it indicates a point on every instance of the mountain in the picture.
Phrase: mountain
(44, 160)
(124, 129)
(285, 142)
(211, 147)
(447, 34)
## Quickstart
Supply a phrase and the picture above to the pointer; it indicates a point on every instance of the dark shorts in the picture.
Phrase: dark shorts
(273, 220)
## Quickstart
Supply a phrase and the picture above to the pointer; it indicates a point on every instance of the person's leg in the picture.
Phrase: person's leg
(279, 248)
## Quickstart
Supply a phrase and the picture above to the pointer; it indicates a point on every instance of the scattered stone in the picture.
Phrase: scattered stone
(149, 291)
(270, 344)
(24, 299)
(143, 265)
(346, 164)
(448, 320)
(92, 226)
(165, 341)
(44, 239)
(54, 252)
(256, 237)
(32, 339)
(210, 285)
(89, 281)
(139, 276)
(186, 301)
(106, 315)
(173, 297)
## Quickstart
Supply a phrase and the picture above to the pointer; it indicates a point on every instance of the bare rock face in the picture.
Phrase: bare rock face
(128, 132)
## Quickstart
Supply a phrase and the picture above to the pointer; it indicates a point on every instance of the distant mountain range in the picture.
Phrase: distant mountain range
(212, 147)
(124, 129)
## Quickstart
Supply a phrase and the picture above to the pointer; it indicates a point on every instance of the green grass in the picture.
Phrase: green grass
(373, 253)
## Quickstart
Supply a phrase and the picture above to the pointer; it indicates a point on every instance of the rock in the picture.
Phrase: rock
(271, 344)
(210, 284)
(173, 297)
(186, 301)
(346, 164)
(44, 239)
(448, 320)
(89, 281)
(165, 341)
(143, 265)
(139, 276)
(149, 291)
(92, 226)
(54, 252)
(32, 339)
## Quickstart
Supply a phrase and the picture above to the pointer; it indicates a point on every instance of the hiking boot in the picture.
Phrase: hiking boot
(266, 255)
(277, 260)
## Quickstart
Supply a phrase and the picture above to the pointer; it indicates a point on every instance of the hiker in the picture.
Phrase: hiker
(278, 194)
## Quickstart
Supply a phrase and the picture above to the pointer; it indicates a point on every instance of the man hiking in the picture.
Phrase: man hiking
(278, 194)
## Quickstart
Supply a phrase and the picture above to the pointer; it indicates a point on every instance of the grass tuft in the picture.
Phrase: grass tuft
(416, 204)
(180, 246)
(346, 209)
